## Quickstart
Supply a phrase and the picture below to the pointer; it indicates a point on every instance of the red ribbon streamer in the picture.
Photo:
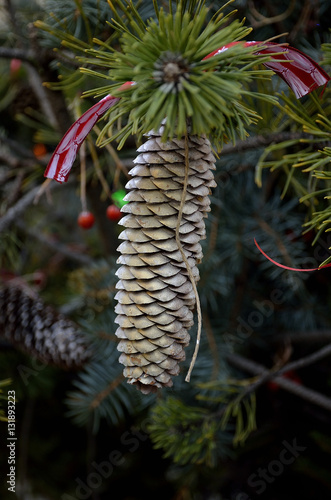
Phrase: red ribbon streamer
(287, 267)
(65, 153)
(301, 73)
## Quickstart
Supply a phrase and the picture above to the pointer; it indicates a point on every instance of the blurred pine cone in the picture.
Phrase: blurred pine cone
(155, 293)
(40, 331)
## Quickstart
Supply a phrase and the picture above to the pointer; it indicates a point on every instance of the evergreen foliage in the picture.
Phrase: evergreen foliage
(215, 85)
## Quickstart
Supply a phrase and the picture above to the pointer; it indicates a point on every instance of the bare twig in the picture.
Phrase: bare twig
(21, 150)
(305, 337)
(264, 21)
(16, 53)
(266, 375)
(38, 58)
(307, 360)
(14, 162)
(42, 95)
(33, 75)
(57, 247)
(15, 211)
(302, 20)
(15, 190)
(97, 167)
(261, 141)
(82, 158)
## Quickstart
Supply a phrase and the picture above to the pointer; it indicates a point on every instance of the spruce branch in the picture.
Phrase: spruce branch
(175, 424)
(186, 433)
(98, 398)
(99, 392)
(236, 405)
(243, 410)
(277, 238)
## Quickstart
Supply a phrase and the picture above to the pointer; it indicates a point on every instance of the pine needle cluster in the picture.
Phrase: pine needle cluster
(165, 57)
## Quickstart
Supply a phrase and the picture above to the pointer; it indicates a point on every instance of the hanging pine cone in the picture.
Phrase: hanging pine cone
(186, 70)
(40, 331)
(155, 292)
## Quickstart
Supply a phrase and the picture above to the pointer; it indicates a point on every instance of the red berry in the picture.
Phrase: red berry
(39, 150)
(86, 220)
(291, 375)
(113, 213)
(15, 66)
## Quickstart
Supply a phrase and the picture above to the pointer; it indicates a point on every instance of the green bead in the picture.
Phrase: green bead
(118, 196)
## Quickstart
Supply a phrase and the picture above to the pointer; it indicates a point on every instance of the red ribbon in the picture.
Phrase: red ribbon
(287, 267)
(301, 73)
(65, 153)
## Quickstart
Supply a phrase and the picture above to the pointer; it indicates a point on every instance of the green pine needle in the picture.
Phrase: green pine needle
(187, 434)
(173, 82)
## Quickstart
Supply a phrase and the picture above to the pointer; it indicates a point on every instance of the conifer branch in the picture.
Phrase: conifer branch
(95, 403)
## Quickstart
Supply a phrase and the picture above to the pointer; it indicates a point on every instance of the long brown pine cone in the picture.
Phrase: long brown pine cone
(155, 294)
(39, 330)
